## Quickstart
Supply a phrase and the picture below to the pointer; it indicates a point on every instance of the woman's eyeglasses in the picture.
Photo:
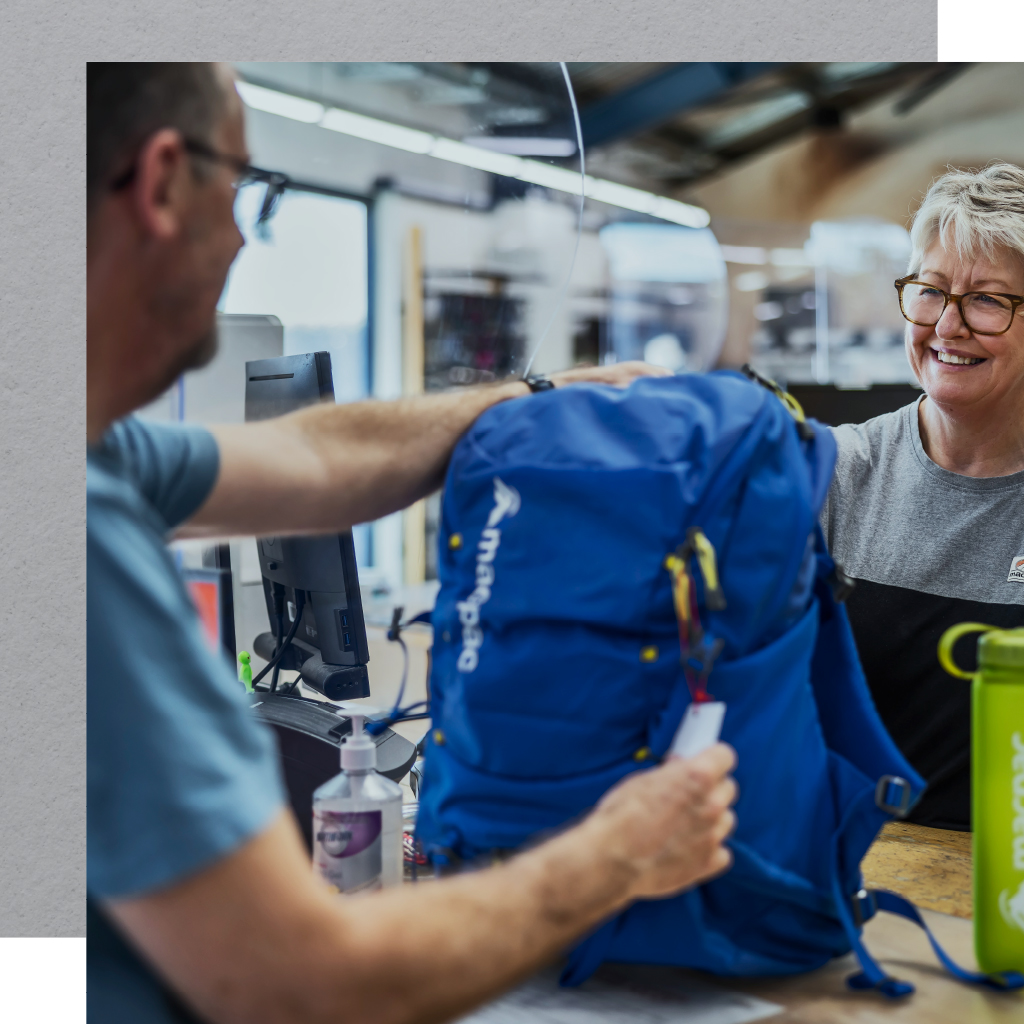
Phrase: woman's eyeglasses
(986, 313)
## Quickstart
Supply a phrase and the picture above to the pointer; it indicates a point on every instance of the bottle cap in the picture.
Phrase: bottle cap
(1002, 648)
(358, 752)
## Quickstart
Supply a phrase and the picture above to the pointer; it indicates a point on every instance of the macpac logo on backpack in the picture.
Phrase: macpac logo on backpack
(627, 502)
(506, 504)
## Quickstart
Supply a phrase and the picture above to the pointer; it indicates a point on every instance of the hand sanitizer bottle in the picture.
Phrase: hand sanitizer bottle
(357, 821)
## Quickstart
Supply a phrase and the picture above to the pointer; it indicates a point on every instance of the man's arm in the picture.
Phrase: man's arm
(329, 467)
(255, 939)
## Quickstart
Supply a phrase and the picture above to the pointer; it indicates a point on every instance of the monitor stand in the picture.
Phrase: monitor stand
(335, 682)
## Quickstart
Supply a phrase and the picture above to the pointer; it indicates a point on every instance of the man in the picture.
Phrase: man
(202, 902)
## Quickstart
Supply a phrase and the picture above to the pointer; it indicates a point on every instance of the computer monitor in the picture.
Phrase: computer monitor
(329, 648)
(210, 590)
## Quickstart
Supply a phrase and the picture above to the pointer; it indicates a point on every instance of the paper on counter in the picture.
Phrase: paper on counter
(622, 994)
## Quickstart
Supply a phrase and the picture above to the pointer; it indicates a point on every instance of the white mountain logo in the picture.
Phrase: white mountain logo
(1012, 907)
(506, 502)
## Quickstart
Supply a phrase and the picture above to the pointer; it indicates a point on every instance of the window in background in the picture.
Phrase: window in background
(308, 267)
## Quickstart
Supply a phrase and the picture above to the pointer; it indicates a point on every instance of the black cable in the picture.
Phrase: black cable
(394, 634)
(300, 604)
(398, 713)
(279, 635)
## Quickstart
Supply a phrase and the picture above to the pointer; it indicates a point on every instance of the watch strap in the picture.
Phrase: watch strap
(538, 382)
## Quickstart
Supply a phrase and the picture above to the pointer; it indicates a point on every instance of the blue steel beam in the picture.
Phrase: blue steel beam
(656, 99)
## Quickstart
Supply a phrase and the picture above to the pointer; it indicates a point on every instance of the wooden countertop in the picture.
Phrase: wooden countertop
(929, 866)
(902, 949)
(640, 994)
(932, 868)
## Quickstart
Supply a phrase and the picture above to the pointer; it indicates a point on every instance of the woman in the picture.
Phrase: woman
(926, 510)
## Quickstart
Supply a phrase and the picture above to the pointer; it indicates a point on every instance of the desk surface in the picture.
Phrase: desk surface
(632, 994)
(930, 866)
(902, 949)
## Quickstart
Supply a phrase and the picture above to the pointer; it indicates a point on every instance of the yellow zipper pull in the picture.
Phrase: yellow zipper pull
(713, 596)
(680, 587)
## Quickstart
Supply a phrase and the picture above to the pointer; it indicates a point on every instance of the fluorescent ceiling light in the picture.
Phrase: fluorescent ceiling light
(281, 103)
(743, 254)
(482, 159)
(411, 140)
(791, 258)
(751, 281)
(373, 130)
(521, 145)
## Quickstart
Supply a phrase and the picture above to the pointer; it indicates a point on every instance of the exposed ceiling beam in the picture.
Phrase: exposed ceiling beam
(656, 99)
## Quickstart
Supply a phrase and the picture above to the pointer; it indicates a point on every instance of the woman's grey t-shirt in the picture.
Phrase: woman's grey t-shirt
(929, 548)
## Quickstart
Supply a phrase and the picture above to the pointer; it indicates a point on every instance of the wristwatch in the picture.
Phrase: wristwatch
(538, 382)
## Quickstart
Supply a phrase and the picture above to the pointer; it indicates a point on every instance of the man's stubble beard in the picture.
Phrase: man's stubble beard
(202, 352)
(199, 355)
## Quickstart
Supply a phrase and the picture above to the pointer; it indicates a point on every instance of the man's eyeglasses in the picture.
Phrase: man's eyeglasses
(986, 313)
(245, 174)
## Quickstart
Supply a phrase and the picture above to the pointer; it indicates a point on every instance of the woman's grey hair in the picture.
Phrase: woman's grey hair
(973, 213)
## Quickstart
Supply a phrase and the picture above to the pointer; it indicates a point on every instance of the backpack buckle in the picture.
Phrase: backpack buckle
(893, 795)
(864, 906)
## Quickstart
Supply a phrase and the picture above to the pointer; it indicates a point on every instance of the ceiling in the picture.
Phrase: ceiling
(662, 126)
(696, 120)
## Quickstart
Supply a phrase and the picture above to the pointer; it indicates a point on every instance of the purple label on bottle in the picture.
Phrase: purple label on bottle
(346, 834)
(347, 849)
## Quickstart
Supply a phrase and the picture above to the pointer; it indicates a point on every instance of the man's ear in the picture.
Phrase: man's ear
(162, 184)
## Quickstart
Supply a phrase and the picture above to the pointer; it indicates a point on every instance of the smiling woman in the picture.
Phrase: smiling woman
(927, 507)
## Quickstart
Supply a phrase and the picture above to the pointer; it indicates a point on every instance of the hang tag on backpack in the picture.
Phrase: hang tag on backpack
(700, 728)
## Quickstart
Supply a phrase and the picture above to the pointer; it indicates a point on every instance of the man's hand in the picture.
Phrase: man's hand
(666, 826)
(619, 374)
(426, 953)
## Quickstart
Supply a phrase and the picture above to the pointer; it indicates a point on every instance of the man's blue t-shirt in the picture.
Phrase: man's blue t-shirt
(179, 772)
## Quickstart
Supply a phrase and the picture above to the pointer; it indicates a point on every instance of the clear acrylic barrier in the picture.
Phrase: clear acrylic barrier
(668, 295)
(477, 183)
(836, 316)
(430, 234)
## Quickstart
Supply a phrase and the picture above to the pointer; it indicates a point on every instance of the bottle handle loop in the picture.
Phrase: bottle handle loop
(950, 637)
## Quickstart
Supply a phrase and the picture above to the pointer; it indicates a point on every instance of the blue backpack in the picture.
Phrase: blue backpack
(606, 557)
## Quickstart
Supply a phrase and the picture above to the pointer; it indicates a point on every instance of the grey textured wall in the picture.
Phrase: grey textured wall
(43, 49)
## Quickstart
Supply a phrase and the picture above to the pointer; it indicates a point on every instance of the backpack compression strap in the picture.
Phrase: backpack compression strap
(854, 911)
(872, 976)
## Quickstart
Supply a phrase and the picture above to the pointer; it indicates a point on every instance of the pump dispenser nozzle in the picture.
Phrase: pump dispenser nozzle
(358, 752)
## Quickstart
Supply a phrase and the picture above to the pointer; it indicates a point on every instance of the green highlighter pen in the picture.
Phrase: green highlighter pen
(997, 790)
(245, 670)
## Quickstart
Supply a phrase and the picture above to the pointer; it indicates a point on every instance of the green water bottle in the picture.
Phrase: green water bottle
(997, 790)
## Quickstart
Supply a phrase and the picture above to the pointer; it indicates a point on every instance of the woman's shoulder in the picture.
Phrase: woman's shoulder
(876, 444)
(875, 461)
